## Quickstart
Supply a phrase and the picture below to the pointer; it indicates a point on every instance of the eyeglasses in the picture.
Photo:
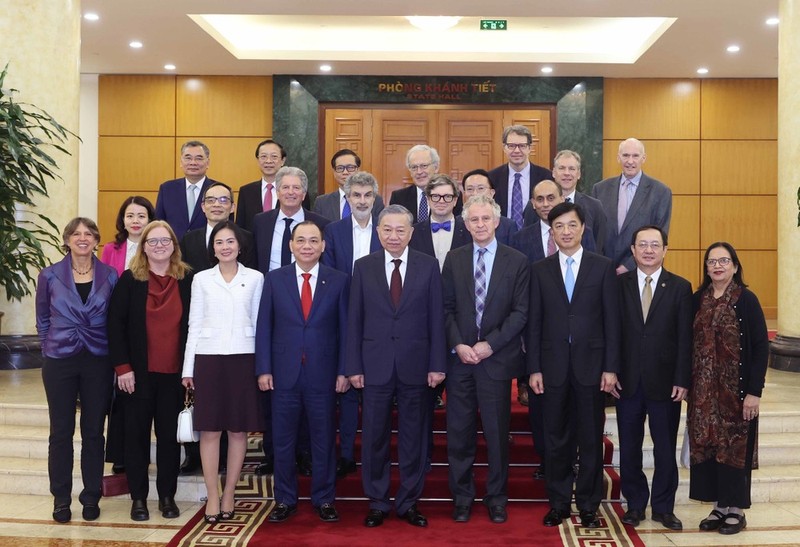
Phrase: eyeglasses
(153, 241)
(273, 157)
(349, 168)
(642, 245)
(447, 198)
(198, 159)
(419, 167)
(211, 200)
(517, 146)
(724, 261)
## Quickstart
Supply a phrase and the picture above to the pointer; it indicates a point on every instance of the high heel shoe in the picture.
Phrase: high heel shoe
(212, 519)
(227, 515)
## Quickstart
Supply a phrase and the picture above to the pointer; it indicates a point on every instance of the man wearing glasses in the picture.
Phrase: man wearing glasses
(334, 205)
(262, 195)
(422, 162)
(513, 182)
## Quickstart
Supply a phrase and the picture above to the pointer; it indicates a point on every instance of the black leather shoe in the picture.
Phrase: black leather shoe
(344, 467)
(461, 513)
(554, 517)
(91, 512)
(282, 512)
(139, 510)
(414, 517)
(327, 513)
(190, 466)
(730, 529)
(168, 508)
(374, 518)
(118, 468)
(62, 513)
(633, 517)
(438, 403)
(538, 474)
(304, 465)
(589, 519)
(266, 467)
(668, 520)
(497, 514)
(709, 524)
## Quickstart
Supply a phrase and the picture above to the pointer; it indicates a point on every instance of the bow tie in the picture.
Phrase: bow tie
(436, 226)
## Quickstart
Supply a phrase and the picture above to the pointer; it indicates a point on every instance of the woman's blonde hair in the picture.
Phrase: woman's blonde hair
(140, 266)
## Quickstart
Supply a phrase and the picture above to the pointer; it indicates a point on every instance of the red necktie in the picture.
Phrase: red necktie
(396, 286)
(305, 295)
(551, 245)
(268, 198)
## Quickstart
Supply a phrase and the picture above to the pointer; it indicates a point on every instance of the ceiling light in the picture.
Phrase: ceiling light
(733, 49)
(135, 44)
(547, 69)
(169, 66)
(91, 16)
(702, 70)
(325, 68)
(433, 23)
(773, 21)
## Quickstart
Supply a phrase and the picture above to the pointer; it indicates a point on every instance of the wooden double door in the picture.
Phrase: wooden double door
(466, 138)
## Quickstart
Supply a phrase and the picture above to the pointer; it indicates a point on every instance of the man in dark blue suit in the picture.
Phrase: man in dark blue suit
(395, 348)
(478, 183)
(300, 357)
(573, 356)
(346, 241)
(178, 200)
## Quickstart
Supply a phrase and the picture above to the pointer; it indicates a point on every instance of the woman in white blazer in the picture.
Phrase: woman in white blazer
(219, 362)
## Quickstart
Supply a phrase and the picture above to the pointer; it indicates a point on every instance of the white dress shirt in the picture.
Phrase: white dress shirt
(277, 237)
(362, 238)
(562, 261)
(130, 250)
(390, 266)
(545, 228)
(442, 241)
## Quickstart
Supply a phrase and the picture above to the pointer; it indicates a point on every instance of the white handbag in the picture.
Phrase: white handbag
(186, 432)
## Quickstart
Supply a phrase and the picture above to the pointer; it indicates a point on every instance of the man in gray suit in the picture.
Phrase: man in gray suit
(630, 201)
(334, 205)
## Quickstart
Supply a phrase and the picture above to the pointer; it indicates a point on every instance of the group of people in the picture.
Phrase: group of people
(279, 318)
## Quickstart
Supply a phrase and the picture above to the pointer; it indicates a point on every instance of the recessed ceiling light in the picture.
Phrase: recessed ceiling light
(169, 66)
(702, 70)
(773, 21)
(135, 44)
(91, 16)
(547, 69)
(325, 68)
(733, 49)
(433, 23)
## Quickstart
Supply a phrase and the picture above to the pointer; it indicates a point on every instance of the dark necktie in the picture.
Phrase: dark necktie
(346, 209)
(568, 200)
(422, 213)
(551, 244)
(305, 295)
(436, 226)
(396, 286)
(286, 254)
(480, 289)
(516, 201)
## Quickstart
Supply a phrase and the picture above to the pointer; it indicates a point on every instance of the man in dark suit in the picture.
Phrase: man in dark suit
(395, 349)
(334, 205)
(513, 182)
(486, 291)
(654, 378)
(346, 241)
(573, 358)
(631, 200)
(262, 195)
(178, 200)
(217, 204)
(422, 162)
(478, 183)
(300, 357)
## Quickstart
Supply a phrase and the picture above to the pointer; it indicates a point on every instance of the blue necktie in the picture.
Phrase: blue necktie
(516, 201)
(436, 226)
(480, 289)
(422, 214)
(346, 209)
(569, 278)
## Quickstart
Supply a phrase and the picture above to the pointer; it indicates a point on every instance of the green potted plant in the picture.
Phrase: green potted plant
(27, 134)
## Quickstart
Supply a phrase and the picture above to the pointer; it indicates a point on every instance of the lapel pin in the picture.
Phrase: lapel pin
(663, 284)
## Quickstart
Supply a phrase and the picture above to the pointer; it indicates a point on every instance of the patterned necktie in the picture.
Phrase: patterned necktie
(569, 278)
(480, 289)
(647, 296)
(305, 295)
(268, 198)
(422, 214)
(191, 199)
(551, 244)
(436, 226)
(516, 201)
(286, 253)
(346, 212)
(396, 285)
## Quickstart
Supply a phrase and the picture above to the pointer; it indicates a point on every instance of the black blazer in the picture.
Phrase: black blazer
(264, 229)
(195, 251)
(422, 238)
(249, 204)
(407, 197)
(580, 338)
(127, 327)
(499, 179)
(505, 312)
(657, 352)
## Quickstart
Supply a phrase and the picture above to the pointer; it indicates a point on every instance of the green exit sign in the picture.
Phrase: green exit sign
(494, 24)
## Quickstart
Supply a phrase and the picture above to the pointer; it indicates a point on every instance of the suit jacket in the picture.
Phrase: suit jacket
(285, 341)
(499, 179)
(593, 211)
(422, 238)
(327, 205)
(114, 255)
(127, 327)
(171, 206)
(407, 197)
(581, 337)
(339, 245)
(505, 230)
(264, 229)
(528, 241)
(64, 323)
(505, 312)
(652, 204)
(194, 250)
(249, 204)
(408, 341)
(657, 352)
